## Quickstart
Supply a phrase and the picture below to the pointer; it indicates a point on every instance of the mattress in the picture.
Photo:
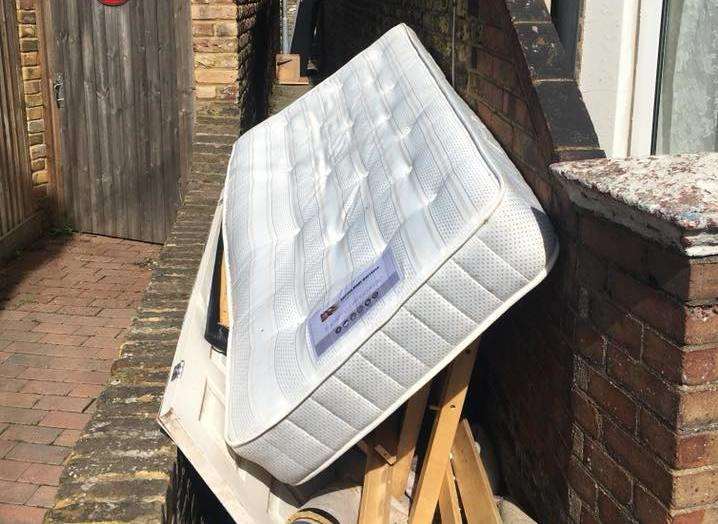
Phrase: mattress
(372, 230)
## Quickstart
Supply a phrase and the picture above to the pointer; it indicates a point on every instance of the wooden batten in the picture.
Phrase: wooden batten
(223, 298)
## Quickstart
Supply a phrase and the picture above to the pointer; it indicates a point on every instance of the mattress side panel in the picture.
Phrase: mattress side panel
(485, 277)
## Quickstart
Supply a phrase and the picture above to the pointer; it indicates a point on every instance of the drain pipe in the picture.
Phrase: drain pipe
(285, 27)
(453, 43)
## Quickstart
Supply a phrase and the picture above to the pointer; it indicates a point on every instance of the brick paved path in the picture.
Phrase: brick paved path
(64, 307)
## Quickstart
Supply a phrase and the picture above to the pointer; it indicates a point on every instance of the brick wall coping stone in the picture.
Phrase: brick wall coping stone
(670, 199)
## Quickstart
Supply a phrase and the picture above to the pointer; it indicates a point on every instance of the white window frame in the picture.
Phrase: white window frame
(648, 46)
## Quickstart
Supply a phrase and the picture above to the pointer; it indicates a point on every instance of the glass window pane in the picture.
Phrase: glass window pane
(687, 103)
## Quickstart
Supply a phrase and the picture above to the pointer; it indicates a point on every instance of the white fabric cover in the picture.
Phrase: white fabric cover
(383, 156)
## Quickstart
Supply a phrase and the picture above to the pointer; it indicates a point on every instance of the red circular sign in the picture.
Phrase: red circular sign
(113, 2)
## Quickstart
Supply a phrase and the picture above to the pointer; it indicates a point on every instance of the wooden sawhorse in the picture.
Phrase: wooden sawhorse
(451, 460)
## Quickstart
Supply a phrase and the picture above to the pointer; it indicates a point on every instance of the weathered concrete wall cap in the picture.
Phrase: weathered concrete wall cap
(671, 199)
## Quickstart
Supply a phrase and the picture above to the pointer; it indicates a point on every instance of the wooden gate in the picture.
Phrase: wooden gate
(16, 205)
(121, 80)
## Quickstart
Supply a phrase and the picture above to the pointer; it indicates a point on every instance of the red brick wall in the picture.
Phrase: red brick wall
(644, 399)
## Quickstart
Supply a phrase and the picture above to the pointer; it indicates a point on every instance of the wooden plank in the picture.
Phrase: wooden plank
(128, 124)
(9, 189)
(443, 431)
(408, 435)
(103, 180)
(185, 85)
(153, 130)
(16, 206)
(169, 167)
(15, 197)
(375, 496)
(93, 197)
(119, 150)
(474, 486)
(75, 114)
(141, 111)
(22, 176)
(7, 216)
(449, 499)
(386, 439)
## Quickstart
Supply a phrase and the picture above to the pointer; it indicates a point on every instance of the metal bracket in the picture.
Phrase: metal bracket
(58, 90)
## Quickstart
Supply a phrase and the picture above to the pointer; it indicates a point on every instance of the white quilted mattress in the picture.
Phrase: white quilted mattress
(372, 230)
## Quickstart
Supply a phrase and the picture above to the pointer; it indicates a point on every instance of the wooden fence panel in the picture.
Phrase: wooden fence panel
(16, 205)
(124, 125)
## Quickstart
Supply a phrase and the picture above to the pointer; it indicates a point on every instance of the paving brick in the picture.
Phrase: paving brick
(6, 446)
(11, 384)
(86, 390)
(68, 438)
(33, 434)
(46, 388)
(11, 469)
(125, 313)
(15, 492)
(12, 316)
(13, 514)
(77, 377)
(97, 331)
(72, 301)
(20, 415)
(10, 370)
(42, 308)
(62, 419)
(39, 453)
(18, 400)
(45, 474)
(56, 403)
(43, 497)
(73, 320)
(56, 362)
(63, 340)
(79, 310)
(113, 303)
(57, 329)
(102, 342)
(11, 335)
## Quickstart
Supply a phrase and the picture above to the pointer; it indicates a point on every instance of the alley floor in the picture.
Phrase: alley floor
(65, 304)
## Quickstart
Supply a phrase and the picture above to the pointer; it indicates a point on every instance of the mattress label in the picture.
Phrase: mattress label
(329, 324)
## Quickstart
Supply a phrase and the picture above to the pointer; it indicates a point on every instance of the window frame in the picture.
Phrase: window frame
(649, 46)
